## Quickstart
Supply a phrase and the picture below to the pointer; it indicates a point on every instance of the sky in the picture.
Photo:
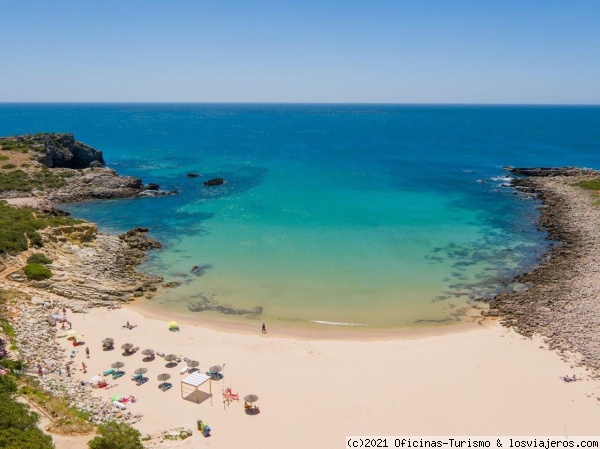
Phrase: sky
(301, 51)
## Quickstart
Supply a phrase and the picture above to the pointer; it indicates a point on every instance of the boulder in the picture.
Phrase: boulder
(62, 150)
(214, 182)
(192, 175)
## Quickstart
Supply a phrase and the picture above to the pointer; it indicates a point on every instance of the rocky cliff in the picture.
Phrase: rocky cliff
(62, 150)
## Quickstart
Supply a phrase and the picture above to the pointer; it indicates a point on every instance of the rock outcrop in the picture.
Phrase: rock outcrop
(550, 171)
(62, 150)
(94, 269)
(560, 298)
(214, 182)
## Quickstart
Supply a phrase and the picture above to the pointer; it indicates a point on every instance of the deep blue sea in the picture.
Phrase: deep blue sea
(374, 215)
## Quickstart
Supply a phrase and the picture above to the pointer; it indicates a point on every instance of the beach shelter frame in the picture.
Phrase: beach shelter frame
(195, 380)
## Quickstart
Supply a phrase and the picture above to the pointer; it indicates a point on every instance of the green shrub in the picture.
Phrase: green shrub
(38, 258)
(594, 184)
(8, 166)
(4, 158)
(116, 435)
(37, 272)
(19, 226)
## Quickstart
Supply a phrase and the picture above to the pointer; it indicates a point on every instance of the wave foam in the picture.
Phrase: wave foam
(336, 323)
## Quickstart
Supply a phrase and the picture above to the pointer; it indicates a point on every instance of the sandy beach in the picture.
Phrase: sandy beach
(484, 381)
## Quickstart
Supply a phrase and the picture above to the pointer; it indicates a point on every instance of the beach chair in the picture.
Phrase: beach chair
(214, 376)
(166, 386)
(108, 372)
(142, 381)
(183, 370)
(119, 405)
(227, 393)
(136, 377)
(118, 374)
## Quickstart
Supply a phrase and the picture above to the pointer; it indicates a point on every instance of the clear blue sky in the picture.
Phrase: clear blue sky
(417, 51)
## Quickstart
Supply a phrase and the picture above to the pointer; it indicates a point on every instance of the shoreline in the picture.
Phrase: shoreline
(560, 301)
(335, 333)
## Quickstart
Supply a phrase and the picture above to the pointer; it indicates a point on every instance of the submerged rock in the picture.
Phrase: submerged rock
(214, 182)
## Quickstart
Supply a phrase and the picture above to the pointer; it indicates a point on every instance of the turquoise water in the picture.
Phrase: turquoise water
(384, 216)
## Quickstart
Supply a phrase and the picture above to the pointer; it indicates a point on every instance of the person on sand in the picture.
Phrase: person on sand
(70, 325)
(87, 352)
(264, 329)
(84, 367)
(64, 311)
(68, 371)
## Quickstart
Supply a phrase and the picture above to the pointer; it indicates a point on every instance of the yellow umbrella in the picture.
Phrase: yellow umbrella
(173, 324)
(71, 332)
(76, 337)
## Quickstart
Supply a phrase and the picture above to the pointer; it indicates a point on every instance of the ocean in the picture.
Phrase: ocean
(378, 216)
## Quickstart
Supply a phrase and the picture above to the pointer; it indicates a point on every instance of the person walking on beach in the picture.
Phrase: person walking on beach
(84, 367)
(64, 312)
(40, 370)
(87, 352)
(68, 370)
(264, 329)
(70, 325)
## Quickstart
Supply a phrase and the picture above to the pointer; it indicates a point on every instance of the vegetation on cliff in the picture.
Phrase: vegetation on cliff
(593, 184)
(19, 226)
(36, 272)
(116, 435)
(38, 258)
(18, 425)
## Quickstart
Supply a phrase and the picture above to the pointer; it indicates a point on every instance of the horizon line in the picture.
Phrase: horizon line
(298, 103)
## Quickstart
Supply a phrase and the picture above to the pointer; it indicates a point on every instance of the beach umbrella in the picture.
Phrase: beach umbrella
(164, 377)
(117, 365)
(251, 398)
(215, 369)
(95, 379)
(126, 347)
(108, 341)
(71, 332)
(141, 370)
(148, 352)
(193, 363)
(171, 359)
(77, 337)
(173, 324)
(58, 316)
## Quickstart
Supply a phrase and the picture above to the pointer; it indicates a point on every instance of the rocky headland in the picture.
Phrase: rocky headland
(89, 268)
(560, 298)
(56, 169)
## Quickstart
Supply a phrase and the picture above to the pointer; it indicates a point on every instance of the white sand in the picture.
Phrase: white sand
(486, 381)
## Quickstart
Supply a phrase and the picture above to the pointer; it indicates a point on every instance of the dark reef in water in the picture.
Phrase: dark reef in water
(210, 304)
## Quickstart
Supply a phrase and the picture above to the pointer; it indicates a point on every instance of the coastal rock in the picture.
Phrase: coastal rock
(560, 298)
(214, 182)
(192, 175)
(62, 150)
(151, 186)
(549, 171)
